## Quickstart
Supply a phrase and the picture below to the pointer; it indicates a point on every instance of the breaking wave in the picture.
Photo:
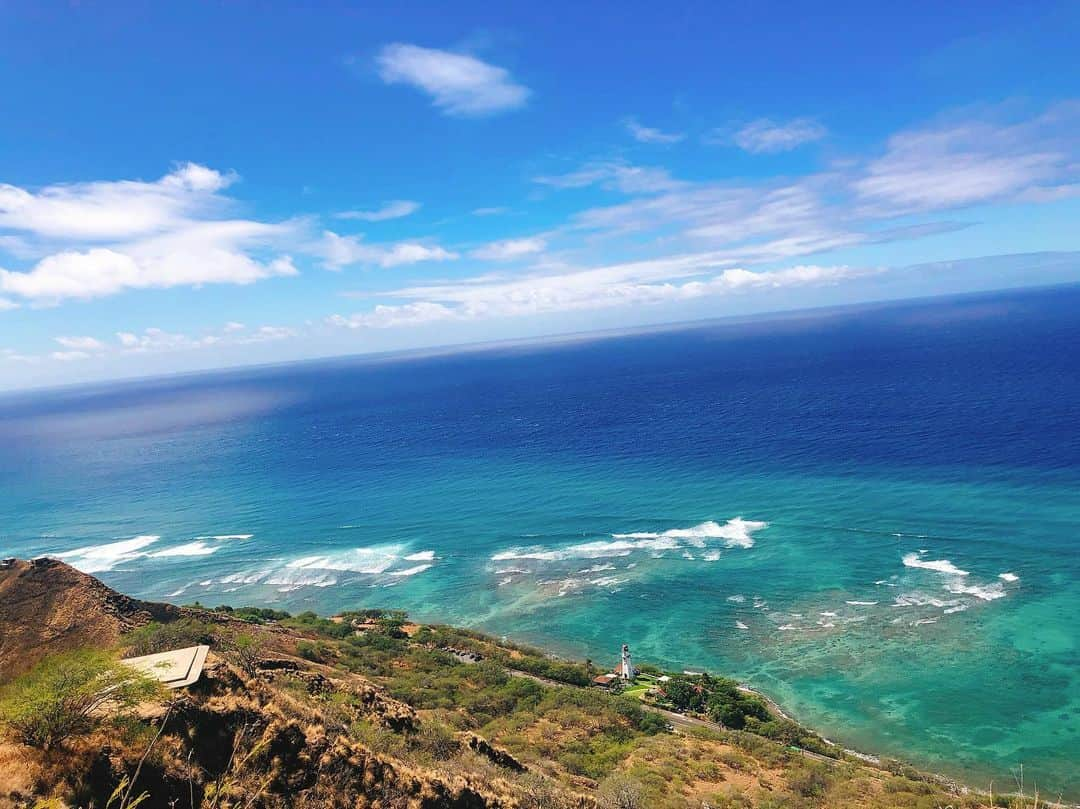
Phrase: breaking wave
(736, 533)
(196, 548)
(99, 558)
(940, 565)
(376, 564)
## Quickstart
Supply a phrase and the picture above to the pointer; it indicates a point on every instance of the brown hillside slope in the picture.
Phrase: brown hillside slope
(47, 606)
(354, 714)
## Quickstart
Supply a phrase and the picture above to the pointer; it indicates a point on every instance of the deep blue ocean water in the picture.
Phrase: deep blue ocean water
(872, 515)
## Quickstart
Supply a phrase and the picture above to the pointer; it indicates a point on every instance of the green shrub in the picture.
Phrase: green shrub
(812, 782)
(67, 694)
(316, 651)
(155, 637)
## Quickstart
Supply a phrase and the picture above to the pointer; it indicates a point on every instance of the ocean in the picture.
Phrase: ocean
(870, 514)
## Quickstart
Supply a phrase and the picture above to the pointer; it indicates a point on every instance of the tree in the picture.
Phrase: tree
(685, 694)
(67, 694)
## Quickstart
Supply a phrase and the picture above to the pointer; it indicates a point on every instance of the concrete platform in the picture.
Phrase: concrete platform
(175, 669)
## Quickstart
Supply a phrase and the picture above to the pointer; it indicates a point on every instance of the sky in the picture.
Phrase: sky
(189, 186)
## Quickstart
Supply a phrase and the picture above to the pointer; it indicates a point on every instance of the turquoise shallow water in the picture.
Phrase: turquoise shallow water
(870, 515)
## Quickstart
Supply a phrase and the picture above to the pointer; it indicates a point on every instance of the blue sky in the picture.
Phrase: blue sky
(188, 186)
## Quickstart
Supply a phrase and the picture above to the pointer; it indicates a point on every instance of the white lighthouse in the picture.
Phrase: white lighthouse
(626, 666)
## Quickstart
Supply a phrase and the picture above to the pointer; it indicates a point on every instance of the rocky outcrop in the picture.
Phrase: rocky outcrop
(47, 606)
(273, 737)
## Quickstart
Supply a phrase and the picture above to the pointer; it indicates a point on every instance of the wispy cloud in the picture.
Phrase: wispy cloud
(81, 343)
(614, 175)
(395, 209)
(509, 249)
(969, 162)
(647, 134)
(764, 136)
(672, 279)
(457, 83)
(344, 251)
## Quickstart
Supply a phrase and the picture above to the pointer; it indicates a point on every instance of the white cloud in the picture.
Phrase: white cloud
(155, 340)
(509, 249)
(81, 343)
(497, 210)
(647, 134)
(395, 209)
(343, 251)
(458, 84)
(272, 333)
(6, 305)
(766, 137)
(384, 317)
(671, 279)
(113, 210)
(103, 238)
(201, 254)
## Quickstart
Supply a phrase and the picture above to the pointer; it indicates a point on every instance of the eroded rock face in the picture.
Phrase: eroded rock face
(496, 755)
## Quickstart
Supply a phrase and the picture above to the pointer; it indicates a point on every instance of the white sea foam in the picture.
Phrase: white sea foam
(957, 608)
(922, 621)
(98, 558)
(741, 625)
(710, 556)
(861, 603)
(358, 560)
(196, 548)
(412, 571)
(922, 600)
(736, 533)
(326, 569)
(545, 556)
(225, 537)
(600, 568)
(737, 598)
(984, 592)
(606, 581)
(939, 565)
(1008, 577)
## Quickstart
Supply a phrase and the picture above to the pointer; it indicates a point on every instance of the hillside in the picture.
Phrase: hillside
(366, 710)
